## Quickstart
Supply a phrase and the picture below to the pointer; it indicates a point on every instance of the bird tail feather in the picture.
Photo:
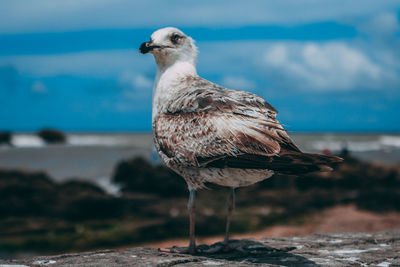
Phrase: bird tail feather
(299, 162)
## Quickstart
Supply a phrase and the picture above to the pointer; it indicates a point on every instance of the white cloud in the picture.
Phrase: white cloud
(296, 65)
(39, 87)
(259, 65)
(277, 55)
(50, 15)
(237, 82)
(380, 25)
(142, 81)
(323, 66)
(103, 64)
(133, 80)
(135, 87)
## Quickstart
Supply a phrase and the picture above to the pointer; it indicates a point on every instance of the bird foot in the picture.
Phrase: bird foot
(243, 246)
(179, 250)
(219, 247)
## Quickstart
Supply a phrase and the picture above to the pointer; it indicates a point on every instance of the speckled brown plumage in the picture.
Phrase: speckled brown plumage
(208, 126)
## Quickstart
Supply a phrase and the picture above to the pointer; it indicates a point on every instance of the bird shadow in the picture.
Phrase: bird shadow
(250, 251)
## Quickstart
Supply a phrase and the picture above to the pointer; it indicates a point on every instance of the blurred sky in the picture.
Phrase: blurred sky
(326, 65)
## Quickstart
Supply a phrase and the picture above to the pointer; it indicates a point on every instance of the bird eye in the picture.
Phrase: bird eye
(175, 38)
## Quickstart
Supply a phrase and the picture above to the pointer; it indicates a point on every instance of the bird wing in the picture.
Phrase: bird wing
(208, 124)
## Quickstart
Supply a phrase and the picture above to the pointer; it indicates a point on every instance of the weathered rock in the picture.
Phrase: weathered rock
(355, 249)
(52, 136)
(25, 193)
(5, 138)
(138, 175)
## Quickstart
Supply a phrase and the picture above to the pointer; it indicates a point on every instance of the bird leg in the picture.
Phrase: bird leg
(192, 243)
(191, 208)
(231, 206)
(225, 246)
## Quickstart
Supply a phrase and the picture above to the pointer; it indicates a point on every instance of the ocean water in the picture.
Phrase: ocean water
(87, 139)
(93, 157)
(308, 141)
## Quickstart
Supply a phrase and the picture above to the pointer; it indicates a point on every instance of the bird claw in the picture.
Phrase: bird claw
(179, 250)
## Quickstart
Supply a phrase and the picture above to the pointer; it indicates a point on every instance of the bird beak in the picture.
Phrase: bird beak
(147, 47)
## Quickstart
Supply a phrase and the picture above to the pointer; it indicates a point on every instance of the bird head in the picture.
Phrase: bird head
(169, 45)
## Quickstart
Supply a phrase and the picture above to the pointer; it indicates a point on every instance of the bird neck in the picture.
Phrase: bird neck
(168, 75)
(168, 82)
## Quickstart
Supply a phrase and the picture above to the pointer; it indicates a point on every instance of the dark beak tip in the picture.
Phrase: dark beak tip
(144, 48)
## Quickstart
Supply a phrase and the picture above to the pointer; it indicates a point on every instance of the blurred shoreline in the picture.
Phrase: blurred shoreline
(92, 156)
(308, 141)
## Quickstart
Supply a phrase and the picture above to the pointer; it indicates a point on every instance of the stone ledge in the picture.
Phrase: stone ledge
(347, 249)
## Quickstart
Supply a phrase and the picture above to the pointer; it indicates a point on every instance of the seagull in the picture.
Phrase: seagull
(210, 134)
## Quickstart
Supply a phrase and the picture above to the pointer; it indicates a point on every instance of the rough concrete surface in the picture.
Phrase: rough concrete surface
(347, 249)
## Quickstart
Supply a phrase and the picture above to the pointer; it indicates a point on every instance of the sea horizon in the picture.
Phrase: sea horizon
(355, 132)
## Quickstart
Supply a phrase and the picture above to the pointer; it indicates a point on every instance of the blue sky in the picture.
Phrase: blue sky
(325, 65)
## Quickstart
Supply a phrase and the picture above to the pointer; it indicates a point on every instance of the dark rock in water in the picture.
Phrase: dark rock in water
(93, 208)
(25, 194)
(5, 138)
(82, 188)
(347, 249)
(52, 136)
(138, 175)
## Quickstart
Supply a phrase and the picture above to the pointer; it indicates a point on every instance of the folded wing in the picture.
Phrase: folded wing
(210, 126)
